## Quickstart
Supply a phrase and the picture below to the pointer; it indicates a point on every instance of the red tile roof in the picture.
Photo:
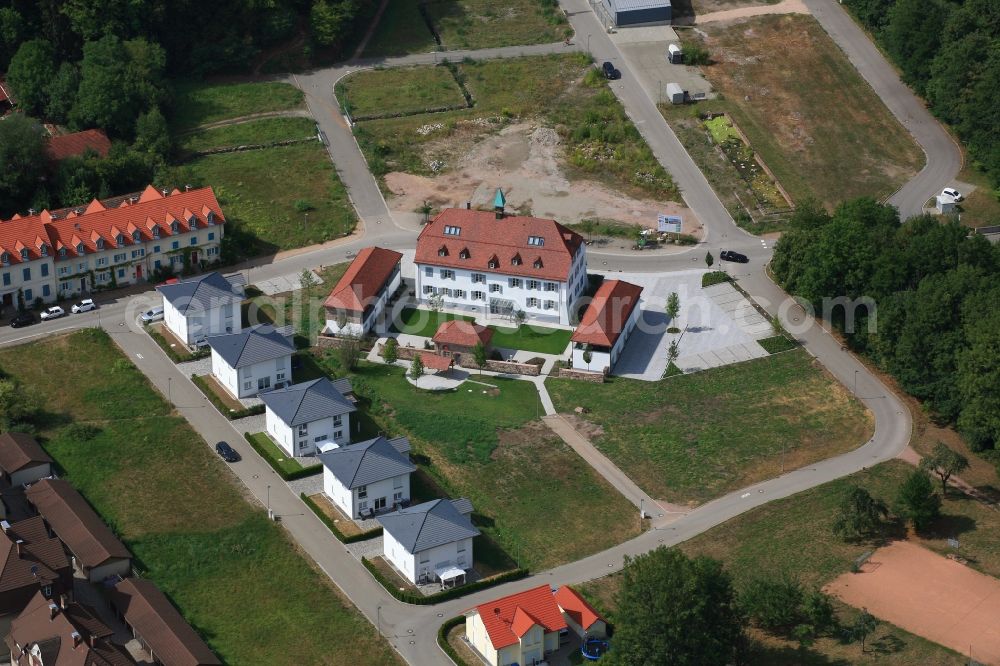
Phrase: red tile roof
(77, 143)
(5, 93)
(509, 618)
(434, 362)
(462, 333)
(363, 280)
(482, 238)
(605, 318)
(577, 607)
(46, 233)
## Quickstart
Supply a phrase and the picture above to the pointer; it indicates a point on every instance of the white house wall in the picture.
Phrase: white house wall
(351, 504)
(245, 383)
(336, 429)
(116, 567)
(602, 359)
(378, 307)
(438, 557)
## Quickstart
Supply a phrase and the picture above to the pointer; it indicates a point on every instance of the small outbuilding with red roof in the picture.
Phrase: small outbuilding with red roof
(606, 325)
(63, 146)
(580, 615)
(360, 297)
(458, 336)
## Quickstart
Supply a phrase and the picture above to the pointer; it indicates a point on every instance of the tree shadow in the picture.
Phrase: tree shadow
(781, 655)
(949, 526)
(885, 644)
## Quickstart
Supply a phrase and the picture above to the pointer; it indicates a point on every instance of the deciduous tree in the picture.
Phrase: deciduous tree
(30, 73)
(944, 462)
(860, 514)
(917, 501)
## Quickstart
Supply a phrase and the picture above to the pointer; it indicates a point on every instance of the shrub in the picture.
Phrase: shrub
(81, 432)
(713, 278)
(443, 639)
(287, 476)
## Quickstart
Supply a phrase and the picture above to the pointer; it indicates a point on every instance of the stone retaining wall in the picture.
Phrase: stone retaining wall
(582, 375)
(507, 367)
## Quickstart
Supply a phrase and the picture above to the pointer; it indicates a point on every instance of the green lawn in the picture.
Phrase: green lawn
(277, 456)
(777, 343)
(529, 337)
(480, 24)
(418, 321)
(780, 77)
(259, 190)
(981, 207)
(696, 437)
(234, 575)
(197, 103)
(405, 90)
(792, 538)
(563, 92)
(401, 31)
(265, 130)
(302, 309)
(485, 443)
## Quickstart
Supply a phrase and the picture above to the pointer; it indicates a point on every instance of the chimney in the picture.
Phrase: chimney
(63, 601)
(468, 205)
(53, 611)
(165, 192)
(20, 547)
(76, 638)
(92, 640)
(187, 188)
(31, 211)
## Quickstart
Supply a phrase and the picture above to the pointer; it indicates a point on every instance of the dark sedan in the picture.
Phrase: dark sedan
(23, 319)
(729, 255)
(227, 452)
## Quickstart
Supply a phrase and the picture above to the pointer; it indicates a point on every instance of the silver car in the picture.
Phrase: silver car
(53, 313)
(151, 315)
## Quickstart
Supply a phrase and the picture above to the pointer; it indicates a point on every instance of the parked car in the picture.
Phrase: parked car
(610, 72)
(23, 319)
(86, 305)
(730, 255)
(53, 313)
(953, 193)
(149, 316)
(227, 452)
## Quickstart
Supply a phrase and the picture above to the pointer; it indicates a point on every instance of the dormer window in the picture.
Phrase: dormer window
(119, 240)
(173, 227)
(24, 254)
(442, 251)
(156, 232)
(452, 231)
(537, 241)
(192, 221)
(62, 253)
(5, 258)
(538, 263)
(136, 237)
(464, 254)
(100, 243)
(80, 249)
(493, 262)
(515, 260)
(210, 217)
(44, 250)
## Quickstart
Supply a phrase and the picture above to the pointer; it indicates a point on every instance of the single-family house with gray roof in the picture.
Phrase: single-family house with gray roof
(431, 541)
(369, 477)
(255, 360)
(203, 306)
(306, 418)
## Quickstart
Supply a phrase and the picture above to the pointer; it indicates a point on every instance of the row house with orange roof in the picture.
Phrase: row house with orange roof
(493, 263)
(111, 243)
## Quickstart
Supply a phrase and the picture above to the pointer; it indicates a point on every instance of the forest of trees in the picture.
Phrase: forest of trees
(936, 290)
(949, 51)
(108, 64)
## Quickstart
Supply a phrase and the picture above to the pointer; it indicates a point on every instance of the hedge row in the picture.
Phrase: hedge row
(287, 476)
(408, 597)
(443, 639)
(713, 278)
(171, 352)
(220, 405)
(370, 534)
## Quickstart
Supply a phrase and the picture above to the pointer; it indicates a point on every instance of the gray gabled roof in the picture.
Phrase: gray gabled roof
(204, 292)
(434, 523)
(308, 401)
(251, 345)
(378, 459)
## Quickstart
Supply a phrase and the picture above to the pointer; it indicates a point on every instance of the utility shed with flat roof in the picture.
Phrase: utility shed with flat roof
(638, 12)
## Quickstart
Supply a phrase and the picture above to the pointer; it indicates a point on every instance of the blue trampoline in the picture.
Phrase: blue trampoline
(593, 648)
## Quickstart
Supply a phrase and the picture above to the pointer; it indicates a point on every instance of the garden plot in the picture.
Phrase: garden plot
(718, 326)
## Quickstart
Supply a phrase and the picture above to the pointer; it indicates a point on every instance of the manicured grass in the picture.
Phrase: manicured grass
(714, 278)
(302, 309)
(489, 447)
(233, 574)
(480, 24)
(533, 338)
(265, 130)
(418, 321)
(374, 92)
(793, 538)
(258, 189)
(197, 103)
(401, 31)
(276, 457)
(698, 436)
(778, 343)
(564, 92)
(785, 109)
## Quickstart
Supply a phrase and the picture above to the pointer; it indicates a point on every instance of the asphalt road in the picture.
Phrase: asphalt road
(412, 630)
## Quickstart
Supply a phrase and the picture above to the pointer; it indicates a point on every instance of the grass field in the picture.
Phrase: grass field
(197, 103)
(781, 77)
(265, 130)
(402, 90)
(529, 337)
(696, 437)
(793, 538)
(259, 190)
(401, 31)
(981, 207)
(302, 309)
(480, 24)
(233, 574)
(504, 460)
(563, 92)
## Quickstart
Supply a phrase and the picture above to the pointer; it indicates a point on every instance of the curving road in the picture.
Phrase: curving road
(412, 630)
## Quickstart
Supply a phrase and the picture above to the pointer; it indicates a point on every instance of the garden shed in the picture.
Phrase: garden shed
(675, 94)
(637, 12)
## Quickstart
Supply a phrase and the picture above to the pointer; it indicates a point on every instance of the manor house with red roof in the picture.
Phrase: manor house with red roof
(491, 262)
(108, 243)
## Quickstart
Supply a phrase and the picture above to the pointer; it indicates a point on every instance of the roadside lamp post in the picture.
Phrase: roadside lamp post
(855, 383)
(378, 616)
(169, 399)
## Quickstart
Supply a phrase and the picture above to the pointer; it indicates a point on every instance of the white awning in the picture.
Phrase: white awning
(449, 573)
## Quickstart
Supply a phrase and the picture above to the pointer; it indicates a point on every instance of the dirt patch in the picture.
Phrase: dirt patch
(346, 526)
(588, 429)
(929, 595)
(783, 7)
(515, 442)
(525, 160)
